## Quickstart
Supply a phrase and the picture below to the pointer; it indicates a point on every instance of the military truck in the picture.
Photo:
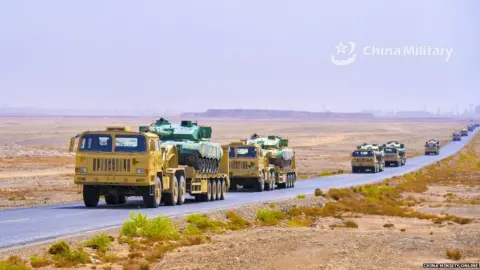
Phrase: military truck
(118, 163)
(457, 136)
(395, 154)
(432, 146)
(471, 127)
(368, 157)
(262, 163)
(464, 132)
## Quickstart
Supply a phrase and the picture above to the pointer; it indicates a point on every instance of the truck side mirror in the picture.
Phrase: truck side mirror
(71, 145)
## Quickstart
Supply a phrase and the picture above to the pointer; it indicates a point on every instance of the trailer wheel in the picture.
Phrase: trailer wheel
(294, 179)
(153, 200)
(219, 189)
(223, 195)
(213, 190)
(91, 196)
(182, 189)
(171, 198)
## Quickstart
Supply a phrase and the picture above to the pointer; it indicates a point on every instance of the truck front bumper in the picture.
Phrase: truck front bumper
(114, 180)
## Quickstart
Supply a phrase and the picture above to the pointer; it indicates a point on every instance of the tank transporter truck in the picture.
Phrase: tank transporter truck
(368, 157)
(395, 154)
(471, 127)
(464, 132)
(432, 147)
(456, 136)
(118, 163)
(262, 163)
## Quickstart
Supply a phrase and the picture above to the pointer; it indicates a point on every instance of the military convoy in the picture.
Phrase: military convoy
(262, 163)
(368, 157)
(162, 162)
(432, 147)
(395, 154)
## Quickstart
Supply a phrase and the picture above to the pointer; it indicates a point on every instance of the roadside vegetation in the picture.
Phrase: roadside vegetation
(143, 242)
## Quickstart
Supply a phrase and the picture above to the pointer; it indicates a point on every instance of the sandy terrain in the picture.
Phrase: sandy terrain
(378, 241)
(35, 165)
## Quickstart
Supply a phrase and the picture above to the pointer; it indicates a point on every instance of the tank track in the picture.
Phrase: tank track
(200, 164)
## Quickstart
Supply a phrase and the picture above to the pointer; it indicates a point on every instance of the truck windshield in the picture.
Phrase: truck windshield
(232, 153)
(362, 154)
(130, 143)
(246, 152)
(96, 143)
(390, 150)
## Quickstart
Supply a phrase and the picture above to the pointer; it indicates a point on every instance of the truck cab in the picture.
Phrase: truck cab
(456, 136)
(117, 163)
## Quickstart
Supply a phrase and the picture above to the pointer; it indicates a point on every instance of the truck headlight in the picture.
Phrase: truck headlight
(82, 170)
(140, 171)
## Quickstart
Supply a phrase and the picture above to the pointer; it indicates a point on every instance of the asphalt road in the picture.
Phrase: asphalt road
(28, 225)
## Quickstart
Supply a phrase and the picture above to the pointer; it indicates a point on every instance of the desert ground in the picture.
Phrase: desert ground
(36, 168)
(429, 216)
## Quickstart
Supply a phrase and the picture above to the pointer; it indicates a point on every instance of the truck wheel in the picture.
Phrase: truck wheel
(154, 200)
(112, 199)
(260, 184)
(219, 189)
(213, 192)
(223, 195)
(182, 190)
(208, 196)
(91, 196)
(171, 198)
(294, 179)
(122, 199)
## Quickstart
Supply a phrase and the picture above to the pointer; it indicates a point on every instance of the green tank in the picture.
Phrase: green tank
(399, 146)
(192, 141)
(276, 147)
(377, 149)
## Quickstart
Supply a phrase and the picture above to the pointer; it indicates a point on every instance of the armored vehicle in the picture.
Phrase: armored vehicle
(192, 142)
(262, 163)
(464, 132)
(118, 163)
(395, 154)
(432, 147)
(457, 136)
(368, 157)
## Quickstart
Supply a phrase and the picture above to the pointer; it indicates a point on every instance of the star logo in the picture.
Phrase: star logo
(350, 57)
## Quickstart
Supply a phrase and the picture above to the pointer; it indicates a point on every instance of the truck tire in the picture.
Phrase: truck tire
(111, 199)
(182, 190)
(260, 184)
(294, 179)
(171, 198)
(91, 196)
(122, 199)
(354, 169)
(223, 194)
(207, 196)
(213, 188)
(154, 200)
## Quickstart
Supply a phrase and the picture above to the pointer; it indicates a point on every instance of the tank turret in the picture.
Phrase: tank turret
(395, 144)
(192, 142)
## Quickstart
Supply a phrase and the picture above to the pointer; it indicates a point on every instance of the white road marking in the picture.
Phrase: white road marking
(13, 220)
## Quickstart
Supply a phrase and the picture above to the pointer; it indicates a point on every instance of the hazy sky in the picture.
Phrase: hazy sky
(272, 54)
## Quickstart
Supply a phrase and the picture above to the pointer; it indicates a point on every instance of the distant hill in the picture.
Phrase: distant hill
(278, 114)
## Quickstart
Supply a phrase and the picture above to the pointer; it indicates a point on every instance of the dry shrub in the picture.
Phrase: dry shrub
(454, 254)
(319, 192)
(388, 225)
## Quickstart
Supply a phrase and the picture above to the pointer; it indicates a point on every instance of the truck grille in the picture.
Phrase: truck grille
(239, 165)
(111, 165)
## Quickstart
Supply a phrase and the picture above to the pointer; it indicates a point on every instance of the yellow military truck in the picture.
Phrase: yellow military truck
(368, 157)
(432, 147)
(118, 163)
(251, 166)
